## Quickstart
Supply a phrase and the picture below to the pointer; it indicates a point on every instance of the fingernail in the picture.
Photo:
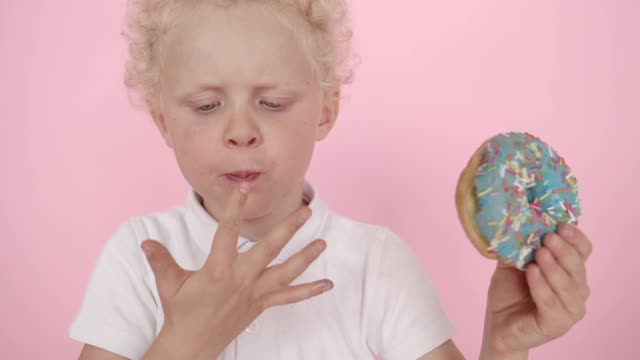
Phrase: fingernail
(535, 271)
(325, 285)
(304, 214)
(318, 247)
(552, 240)
(147, 248)
(547, 256)
(566, 230)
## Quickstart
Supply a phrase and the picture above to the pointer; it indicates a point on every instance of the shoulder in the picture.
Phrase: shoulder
(376, 251)
(370, 238)
(163, 226)
(402, 313)
(159, 225)
(348, 236)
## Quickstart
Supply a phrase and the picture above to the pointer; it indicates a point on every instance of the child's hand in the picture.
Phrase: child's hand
(205, 310)
(525, 310)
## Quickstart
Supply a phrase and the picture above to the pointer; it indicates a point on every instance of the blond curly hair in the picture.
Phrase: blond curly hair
(328, 43)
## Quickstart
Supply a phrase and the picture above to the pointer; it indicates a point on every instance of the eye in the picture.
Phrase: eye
(271, 105)
(208, 108)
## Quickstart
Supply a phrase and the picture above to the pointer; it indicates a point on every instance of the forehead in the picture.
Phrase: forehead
(240, 44)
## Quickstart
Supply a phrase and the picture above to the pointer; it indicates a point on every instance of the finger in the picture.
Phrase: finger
(297, 293)
(225, 241)
(577, 238)
(561, 283)
(282, 275)
(168, 274)
(547, 302)
(567, 256)
(268, 248)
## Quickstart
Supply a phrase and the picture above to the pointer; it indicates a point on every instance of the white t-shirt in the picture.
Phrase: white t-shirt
(382, 301)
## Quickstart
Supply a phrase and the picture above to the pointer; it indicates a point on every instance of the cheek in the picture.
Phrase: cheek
(295, 147)
(192, 150)
(298, 133)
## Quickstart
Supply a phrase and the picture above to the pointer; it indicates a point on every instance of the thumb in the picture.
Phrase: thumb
(507, 271)
(507, 279)
(504, 266)
(169, 275)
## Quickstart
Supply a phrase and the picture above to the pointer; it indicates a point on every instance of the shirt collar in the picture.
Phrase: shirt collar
(204, 226)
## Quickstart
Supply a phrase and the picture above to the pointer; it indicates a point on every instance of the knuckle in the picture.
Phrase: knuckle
(285, 229)
(588, 248)
(292, 226)
(282, 282)
(270, 251)
(216, 274)
(577, 315)
(309, 255)
(581, 314)
(311, 292)
(549, 301)
(244, 284)
(553, 329)
(567, 253)
(574, 269)
(261, 303)
(308, 291)
(567, 288)
(283, 278)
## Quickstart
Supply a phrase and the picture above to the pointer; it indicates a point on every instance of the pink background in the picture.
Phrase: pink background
(437, 78)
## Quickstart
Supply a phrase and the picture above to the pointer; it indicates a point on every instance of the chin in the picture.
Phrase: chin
(258, 208)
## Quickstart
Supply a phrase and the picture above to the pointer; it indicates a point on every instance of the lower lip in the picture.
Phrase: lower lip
(250, 178)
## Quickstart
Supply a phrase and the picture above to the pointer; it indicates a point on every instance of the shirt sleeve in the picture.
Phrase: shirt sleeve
(117, 312)
(406, 319)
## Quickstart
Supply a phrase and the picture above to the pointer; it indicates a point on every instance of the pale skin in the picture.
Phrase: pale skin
(263, 103)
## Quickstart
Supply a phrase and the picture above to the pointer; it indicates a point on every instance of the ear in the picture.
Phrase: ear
(330, 110)
(161, 124)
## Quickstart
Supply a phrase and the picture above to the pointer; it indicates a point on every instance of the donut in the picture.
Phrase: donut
(514, 190)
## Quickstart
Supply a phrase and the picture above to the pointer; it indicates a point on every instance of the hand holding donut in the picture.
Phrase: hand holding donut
(518, 202)
(528, 309)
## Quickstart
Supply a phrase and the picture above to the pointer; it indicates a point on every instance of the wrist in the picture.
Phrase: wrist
(489, 352)
(168, 346)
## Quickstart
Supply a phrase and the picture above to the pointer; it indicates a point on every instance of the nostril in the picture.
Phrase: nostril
(252, 141)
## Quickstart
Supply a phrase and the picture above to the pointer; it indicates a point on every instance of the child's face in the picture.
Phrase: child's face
(238, 93)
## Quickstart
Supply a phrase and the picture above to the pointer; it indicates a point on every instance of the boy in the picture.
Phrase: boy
(241, 91)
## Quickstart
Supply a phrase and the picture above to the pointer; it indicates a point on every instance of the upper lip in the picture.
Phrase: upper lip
(243, 173)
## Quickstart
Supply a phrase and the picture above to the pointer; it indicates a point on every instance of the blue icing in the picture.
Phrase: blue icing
(536, 205)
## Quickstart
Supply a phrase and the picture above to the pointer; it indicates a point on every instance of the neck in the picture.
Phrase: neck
(257, 228)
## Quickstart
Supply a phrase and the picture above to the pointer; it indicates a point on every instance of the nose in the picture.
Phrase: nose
(242, 132)
(240, 141)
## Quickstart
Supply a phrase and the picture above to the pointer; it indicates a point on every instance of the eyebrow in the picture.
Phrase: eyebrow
(187, 95)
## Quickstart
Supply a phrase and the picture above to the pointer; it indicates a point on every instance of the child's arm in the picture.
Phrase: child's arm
(446, 351)
(90, 352)
(525, 310)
